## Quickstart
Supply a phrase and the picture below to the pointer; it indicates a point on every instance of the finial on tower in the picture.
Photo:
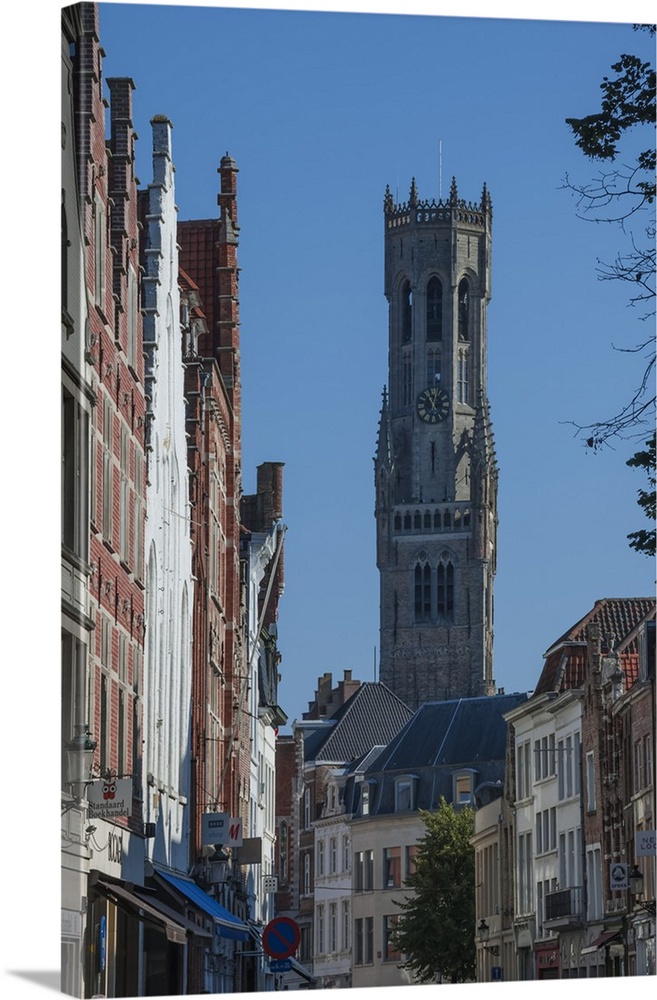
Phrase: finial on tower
(387, 201)
(453, 193)
(413, 196)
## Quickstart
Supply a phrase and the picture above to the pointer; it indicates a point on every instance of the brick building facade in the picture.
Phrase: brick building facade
(151, 403)
(77, 629)
(113, 358)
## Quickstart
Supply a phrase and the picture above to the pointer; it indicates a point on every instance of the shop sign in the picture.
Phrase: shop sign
(214, 828)
(250, 852)
(618, 876)
(235, 832)
(110, 799)
(645, 844)
(220, 828)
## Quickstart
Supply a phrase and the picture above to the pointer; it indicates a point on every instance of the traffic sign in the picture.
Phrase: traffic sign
(280, 965)
(281, 937)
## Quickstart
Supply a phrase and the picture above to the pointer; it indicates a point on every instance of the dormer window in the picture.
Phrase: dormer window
(463, 788)
(405, 793)
(366, 794)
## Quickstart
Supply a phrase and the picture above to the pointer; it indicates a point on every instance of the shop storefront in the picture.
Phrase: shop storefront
(547, 961)
(133, 948)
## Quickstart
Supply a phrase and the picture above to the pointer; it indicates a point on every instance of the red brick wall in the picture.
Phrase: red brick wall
(208, 256)
(116, 590)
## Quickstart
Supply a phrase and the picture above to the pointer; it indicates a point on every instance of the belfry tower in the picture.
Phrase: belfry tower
(435, 467)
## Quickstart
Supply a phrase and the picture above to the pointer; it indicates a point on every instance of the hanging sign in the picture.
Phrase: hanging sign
(214, 828)
(618, 876)
(645, 844)
(234, 832)
(110, 799)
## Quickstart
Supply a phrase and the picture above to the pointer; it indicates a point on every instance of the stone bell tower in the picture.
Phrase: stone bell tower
(435, 467)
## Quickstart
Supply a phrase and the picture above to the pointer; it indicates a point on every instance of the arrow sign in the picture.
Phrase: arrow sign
(281, 937)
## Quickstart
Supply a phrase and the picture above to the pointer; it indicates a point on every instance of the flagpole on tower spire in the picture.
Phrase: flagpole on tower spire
(440, 169)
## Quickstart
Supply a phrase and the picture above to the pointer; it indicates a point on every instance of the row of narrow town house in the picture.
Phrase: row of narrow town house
(188, 821)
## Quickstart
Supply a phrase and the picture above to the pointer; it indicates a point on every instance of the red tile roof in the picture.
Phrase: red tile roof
(619, 619)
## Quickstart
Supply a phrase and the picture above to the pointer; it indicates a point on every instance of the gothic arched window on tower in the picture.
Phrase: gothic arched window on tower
(462, 376)
(464, 309)
(422, 590)
(434, 367)
(434, 309)
(406, 312)
(445, 588)
(407, 377)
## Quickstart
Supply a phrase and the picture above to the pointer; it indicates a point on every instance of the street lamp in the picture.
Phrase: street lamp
(635, 878)
(483, 931)
(79, 761)
(635, 881)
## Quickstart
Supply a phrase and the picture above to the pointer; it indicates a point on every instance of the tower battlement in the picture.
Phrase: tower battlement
(449, 211)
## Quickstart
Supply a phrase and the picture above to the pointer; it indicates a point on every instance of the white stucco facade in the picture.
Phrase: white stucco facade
(549, 903)
(167, 659)
(333, 912)
(263, 551)
(382, 848)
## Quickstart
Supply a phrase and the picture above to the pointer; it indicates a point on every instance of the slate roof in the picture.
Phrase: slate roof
(440, 739)
(619, 619)
(452, 732)
(371, 717)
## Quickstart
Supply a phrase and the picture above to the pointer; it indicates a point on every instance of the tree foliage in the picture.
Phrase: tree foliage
(437, 923)
(624, 196)
(644, 539)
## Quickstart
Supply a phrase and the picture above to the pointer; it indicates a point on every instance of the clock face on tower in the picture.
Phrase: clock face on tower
(433, 404)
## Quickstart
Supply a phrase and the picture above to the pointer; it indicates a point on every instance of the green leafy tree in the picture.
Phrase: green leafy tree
(436, 927)
(644, 539)
(624, 196)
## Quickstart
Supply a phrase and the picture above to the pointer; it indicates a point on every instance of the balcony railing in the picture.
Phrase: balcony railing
(565, 907)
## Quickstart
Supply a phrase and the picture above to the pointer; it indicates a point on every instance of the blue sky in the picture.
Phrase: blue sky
(321, 111)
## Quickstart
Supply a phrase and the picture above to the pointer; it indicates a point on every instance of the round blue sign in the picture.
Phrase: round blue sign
(281, 936)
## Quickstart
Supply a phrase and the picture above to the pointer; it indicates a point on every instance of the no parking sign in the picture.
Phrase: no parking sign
(281, 937)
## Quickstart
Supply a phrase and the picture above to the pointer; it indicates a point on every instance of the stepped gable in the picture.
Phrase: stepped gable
(619, 619)
(371, 717)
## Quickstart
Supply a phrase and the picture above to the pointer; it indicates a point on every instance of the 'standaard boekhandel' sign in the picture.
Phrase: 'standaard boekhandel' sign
(110, 799)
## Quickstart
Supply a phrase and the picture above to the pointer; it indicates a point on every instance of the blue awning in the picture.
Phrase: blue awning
(227, 925)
